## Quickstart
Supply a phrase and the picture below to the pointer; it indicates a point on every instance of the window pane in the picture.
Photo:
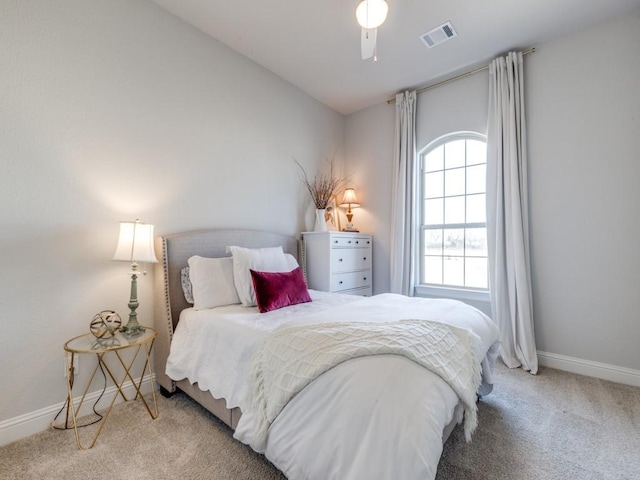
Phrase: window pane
(454, 182)
(476, 208)
(434, 160)
(454, 154)
(476, 273)
(454, 210)
(453, 191)
(433, 242)
(476, 179)
(433, 270)
(433, 213)
(476, 152)
(453, 271)
(433, 184)
(475, 242)
(453, 241)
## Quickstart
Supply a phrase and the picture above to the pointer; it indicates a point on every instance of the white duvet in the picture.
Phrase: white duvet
(378, 416)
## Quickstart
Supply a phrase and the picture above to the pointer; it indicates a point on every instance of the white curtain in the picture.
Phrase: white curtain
(507, 214)
(404, 192)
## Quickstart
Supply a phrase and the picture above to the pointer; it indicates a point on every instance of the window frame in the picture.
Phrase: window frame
(433, 290)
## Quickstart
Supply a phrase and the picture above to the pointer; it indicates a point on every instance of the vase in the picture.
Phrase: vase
(321, 222)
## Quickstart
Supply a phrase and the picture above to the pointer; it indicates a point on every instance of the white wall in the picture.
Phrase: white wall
(584, 143)
(584, 131)
(114, 110)
(368, 155)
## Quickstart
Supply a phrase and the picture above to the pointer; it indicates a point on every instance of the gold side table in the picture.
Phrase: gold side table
(101, 348)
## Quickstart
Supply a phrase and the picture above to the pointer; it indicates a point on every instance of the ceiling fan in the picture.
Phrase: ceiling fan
(370, 14)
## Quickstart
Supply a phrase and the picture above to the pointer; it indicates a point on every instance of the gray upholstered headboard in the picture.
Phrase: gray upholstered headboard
(173, 252)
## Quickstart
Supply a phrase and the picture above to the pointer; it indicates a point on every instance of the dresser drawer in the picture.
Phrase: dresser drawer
(350, 242)
(349, 260)
(349, 280)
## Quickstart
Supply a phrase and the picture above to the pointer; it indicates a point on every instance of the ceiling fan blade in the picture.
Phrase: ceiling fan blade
(368, 42)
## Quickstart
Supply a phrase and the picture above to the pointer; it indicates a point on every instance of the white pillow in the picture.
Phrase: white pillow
(292, 263)
(212, 282)
(261, 259)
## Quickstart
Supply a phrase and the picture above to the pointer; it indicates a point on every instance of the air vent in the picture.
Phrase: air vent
(438, 35)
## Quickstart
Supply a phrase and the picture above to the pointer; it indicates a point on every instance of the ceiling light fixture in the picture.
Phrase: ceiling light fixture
(370, 14)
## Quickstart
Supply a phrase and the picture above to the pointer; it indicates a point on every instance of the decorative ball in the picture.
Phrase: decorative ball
(105, 324)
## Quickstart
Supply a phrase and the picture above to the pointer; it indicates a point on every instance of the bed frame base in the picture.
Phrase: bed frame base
(217, 406)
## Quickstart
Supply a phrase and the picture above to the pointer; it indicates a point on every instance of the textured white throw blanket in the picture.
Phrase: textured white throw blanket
(292, 357)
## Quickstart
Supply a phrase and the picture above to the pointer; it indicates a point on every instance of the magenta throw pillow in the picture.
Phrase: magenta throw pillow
(276, 290)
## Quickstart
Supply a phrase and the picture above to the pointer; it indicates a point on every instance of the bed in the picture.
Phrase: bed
(384, 412)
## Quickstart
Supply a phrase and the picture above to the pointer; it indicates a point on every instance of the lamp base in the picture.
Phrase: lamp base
(133, 327)
(133, 330)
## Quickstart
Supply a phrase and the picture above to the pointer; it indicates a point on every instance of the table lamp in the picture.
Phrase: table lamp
(350, 201)
(135, 245)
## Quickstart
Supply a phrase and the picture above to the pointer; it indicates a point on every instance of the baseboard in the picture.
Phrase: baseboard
(25, 425)
(604, 371)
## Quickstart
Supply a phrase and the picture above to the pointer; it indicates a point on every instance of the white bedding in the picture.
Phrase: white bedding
(342, 425)
(214, 347)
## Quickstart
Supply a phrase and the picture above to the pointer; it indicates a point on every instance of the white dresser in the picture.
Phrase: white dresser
(338, 262)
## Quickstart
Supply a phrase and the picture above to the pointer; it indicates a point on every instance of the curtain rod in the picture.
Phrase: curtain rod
(458, 77)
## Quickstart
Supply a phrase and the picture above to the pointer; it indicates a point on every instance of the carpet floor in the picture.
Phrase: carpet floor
(555, 425)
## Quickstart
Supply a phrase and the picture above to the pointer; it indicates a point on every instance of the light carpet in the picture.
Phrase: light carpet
(555, 425)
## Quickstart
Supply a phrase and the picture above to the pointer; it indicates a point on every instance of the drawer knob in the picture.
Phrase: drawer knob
(364, 278)
(349, 241)
(340, 282)
(339, 259)
(335, 241)
(364, 258)
(357, 242)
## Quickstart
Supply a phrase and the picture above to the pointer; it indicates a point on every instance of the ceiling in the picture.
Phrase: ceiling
(315, 45)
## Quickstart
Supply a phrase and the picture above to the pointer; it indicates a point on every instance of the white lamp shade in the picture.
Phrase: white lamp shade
(135, 243)
(349, 198)
(372, 13)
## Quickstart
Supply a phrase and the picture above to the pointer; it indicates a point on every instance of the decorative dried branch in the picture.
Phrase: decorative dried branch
(324, 185)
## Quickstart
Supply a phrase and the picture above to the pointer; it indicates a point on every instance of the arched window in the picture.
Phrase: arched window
(453, 229)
